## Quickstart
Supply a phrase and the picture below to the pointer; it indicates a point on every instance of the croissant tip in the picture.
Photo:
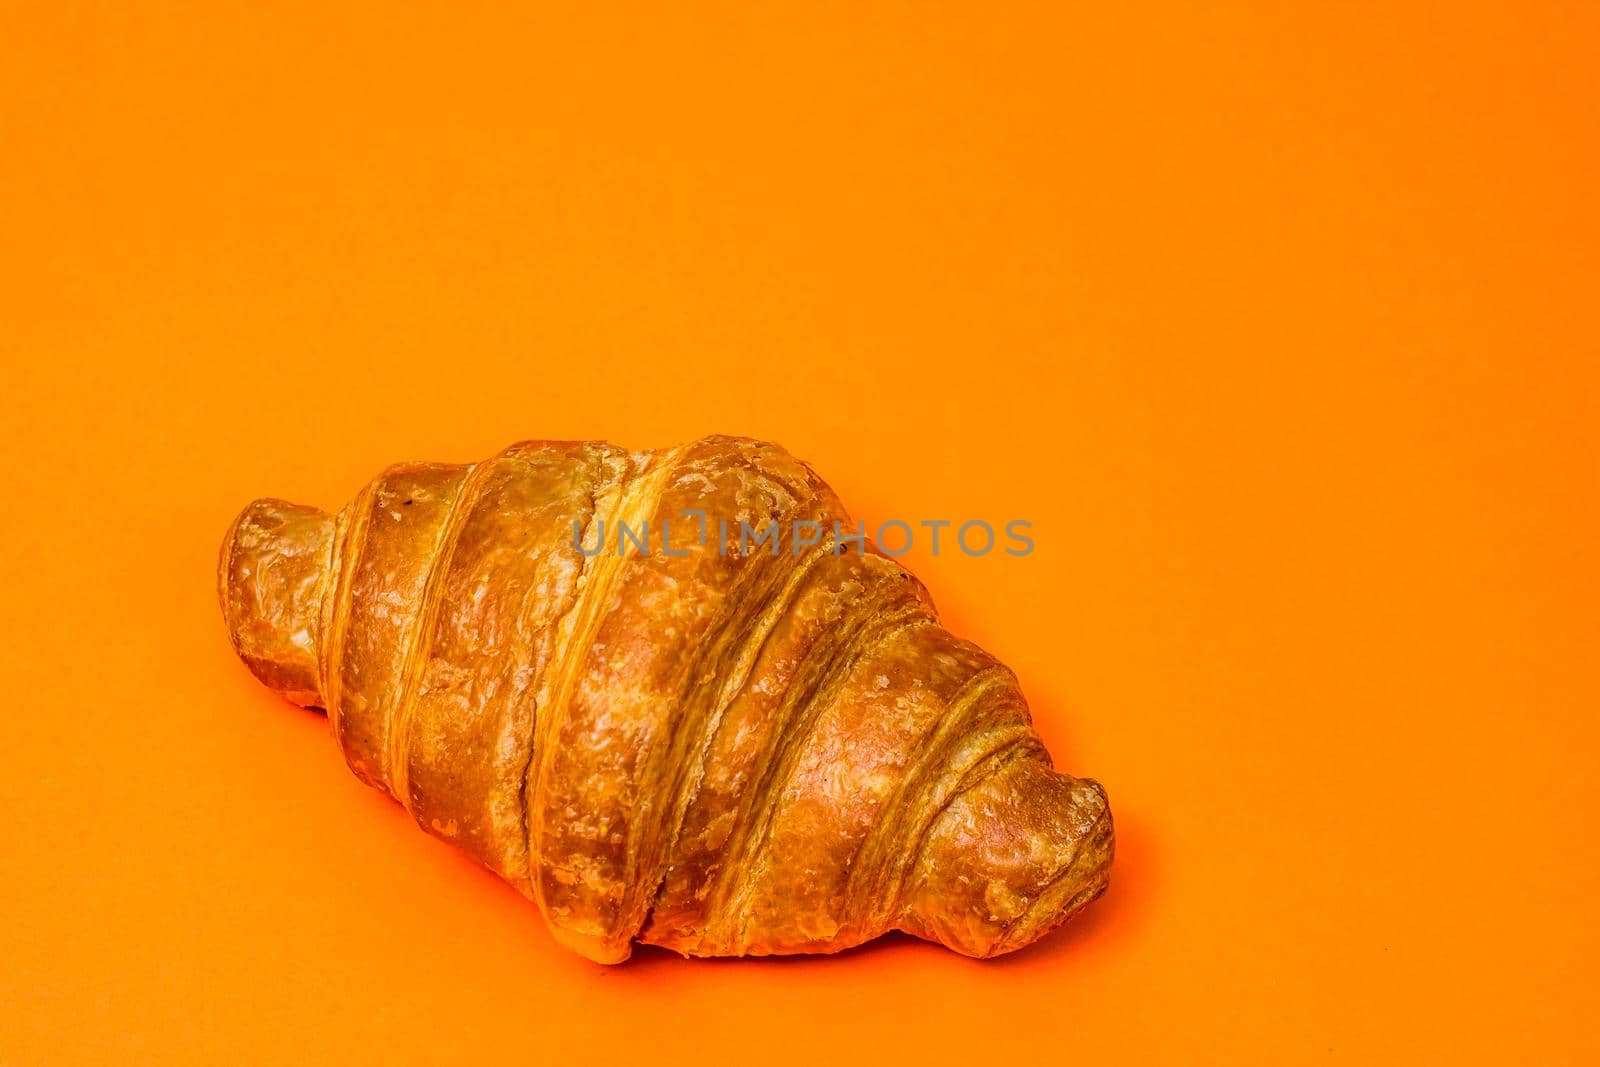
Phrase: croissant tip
(271, 574)
(1079, 884)
(1012, 859)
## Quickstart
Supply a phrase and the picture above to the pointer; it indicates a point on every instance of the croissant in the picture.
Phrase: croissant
(717, 746)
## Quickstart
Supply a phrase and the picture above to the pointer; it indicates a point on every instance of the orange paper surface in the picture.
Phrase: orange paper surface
(1280, 323)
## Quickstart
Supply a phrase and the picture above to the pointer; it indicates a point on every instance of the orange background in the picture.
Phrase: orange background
(1281, 326)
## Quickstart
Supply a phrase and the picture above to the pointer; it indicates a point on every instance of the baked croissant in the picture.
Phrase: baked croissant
(721, 748)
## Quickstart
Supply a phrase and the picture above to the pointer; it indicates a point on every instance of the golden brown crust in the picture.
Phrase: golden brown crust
(509, 580)
(275, 563)
(717, 748)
